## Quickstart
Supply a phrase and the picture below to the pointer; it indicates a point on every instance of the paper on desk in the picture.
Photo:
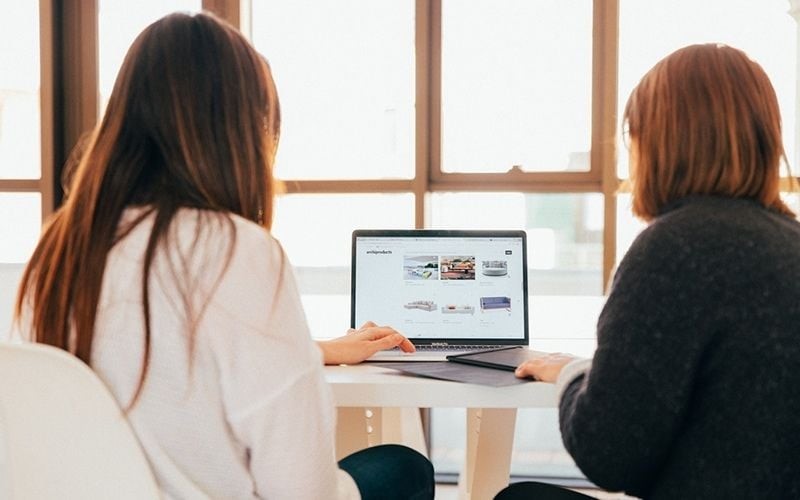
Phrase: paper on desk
(456, 372)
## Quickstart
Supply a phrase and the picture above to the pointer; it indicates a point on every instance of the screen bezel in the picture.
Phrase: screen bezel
(446, 233)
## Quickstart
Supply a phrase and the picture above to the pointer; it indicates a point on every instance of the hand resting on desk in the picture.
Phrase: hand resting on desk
(544, 368)
(362, 343)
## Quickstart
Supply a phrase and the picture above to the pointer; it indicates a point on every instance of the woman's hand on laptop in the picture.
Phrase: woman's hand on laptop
(359, 344)
(544, 368)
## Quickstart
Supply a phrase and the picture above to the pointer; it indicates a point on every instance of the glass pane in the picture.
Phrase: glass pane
(120, 22)
(345, 77)
(558, 324)
(20, 225)
(509, 98)
(628, 226)
(20, 129)
(565, 284)
(318, 247)
(315, 229)
(565, 233)
(792, 200)
(537, 449)
(764, 29)
(328, 315)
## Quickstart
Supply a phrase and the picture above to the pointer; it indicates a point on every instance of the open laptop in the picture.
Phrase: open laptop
(449, 292)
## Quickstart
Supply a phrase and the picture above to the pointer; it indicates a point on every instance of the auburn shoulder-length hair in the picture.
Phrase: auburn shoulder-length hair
(193, 121)
(704, 121)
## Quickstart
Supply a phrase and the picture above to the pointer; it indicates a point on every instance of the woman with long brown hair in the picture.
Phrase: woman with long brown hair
(693, 389)
(159, 272)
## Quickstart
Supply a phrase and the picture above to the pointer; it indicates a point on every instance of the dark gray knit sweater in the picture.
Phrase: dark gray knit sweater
(694, 391)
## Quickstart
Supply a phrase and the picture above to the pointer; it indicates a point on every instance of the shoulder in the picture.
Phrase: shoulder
(724, 217)
(254, 243)
(221, 227)
(678, 244)
(223, 257)
(720, 241)
(217, 238)
(709, 226)
(241, 279)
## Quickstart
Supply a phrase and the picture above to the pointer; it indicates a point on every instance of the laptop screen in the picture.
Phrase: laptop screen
(461, 287)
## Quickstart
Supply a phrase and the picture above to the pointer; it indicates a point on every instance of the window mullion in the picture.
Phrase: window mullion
(75, 95)
(235, 12)
(345, 186)
(604, 120)
(426, 65)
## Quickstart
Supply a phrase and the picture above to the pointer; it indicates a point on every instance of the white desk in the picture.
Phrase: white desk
(378, 405)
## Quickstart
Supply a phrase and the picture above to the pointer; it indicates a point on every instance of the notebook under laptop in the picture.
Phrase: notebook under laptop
(447, 291)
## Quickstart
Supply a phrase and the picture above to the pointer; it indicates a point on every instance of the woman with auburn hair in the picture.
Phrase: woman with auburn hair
(160, 273)
(693, 389)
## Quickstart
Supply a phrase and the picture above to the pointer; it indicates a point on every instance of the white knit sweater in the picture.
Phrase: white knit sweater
(248, 414)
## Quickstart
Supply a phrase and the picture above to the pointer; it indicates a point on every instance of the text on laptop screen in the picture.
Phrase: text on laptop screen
(456, 287)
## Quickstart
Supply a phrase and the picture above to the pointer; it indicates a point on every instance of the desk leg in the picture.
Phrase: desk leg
(490, 440)
(359, 428)
(351, 431)
(401, 426)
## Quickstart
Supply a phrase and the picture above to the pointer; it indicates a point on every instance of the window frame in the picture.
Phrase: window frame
(429, 177)
(69, 108)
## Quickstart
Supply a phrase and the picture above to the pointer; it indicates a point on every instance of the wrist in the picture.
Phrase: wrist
(325, 349)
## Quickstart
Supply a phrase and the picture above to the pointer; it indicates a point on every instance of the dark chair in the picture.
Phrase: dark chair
(538, 491)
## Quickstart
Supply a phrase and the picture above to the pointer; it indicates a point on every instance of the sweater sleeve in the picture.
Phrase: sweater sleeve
(619, 420)
(277, 402)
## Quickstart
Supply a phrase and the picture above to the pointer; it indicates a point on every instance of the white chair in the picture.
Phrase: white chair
(62, 434)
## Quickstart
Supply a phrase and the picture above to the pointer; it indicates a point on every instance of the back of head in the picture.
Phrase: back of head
(193, 121)
(704, 121)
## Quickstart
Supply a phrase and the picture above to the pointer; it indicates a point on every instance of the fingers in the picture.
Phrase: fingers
(526, 370)
(546, 367)
(384, 337)
(406, 345)
(532, 367)
(392, 341)
(376, 332)
(370, 330)
(387, 337)
(399, 340)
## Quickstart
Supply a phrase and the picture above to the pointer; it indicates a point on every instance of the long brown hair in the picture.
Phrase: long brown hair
(704, 120)
(193, 121)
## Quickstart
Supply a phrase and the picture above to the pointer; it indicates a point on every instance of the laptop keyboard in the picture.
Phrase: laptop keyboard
(455, 347)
